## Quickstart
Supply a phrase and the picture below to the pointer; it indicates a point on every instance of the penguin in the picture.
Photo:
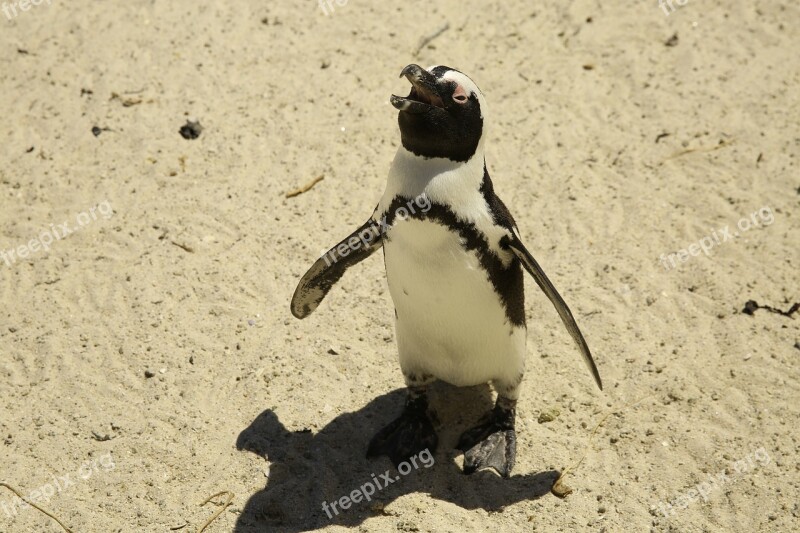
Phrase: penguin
(454, 263)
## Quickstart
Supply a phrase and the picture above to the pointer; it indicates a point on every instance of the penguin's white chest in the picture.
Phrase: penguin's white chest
(451, 322)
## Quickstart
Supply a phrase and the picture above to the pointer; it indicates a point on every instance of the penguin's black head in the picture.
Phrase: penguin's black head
(442, 116)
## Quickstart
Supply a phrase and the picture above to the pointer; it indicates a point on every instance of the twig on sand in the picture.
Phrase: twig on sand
(722, 144)
(752, 306)
(306, 187)
(184, 247)
(23, 498)
(426, 40)
(219, 511)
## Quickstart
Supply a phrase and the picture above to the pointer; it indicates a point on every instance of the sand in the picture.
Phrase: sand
(149, 359)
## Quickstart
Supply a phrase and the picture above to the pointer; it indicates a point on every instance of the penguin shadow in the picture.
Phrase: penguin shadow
(307, 469)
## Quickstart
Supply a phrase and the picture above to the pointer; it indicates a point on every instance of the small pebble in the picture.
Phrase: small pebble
(191, 130)
(101, 437)
(149, 373)
(561, 489)
(548, 415)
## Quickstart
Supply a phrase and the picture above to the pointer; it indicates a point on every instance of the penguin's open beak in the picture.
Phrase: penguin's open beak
(424, 92)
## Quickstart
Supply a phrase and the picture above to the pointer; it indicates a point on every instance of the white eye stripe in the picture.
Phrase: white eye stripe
(470, 88)
(463, 81)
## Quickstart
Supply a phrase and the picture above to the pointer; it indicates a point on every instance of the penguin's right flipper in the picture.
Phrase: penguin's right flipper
(329, 268)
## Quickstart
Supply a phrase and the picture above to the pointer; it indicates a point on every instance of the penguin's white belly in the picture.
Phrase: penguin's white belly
(451, 323)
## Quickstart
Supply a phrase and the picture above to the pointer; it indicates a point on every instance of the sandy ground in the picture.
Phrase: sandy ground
(149, 360)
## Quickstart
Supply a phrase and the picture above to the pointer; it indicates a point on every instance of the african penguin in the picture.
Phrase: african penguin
(454, 262)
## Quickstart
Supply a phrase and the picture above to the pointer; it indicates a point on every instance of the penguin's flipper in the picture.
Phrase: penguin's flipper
(329, 268)
(558, 302)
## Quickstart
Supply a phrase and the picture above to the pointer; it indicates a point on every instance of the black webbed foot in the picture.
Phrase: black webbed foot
(408, 435)
(492, 443)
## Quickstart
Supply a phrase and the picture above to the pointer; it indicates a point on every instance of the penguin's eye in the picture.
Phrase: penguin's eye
(459, 95)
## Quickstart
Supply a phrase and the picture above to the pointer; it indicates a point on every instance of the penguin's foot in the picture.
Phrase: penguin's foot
(408, 435)
(493, 443)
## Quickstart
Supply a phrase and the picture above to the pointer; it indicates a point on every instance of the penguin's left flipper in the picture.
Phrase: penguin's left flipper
(541, 279)
(329, 268)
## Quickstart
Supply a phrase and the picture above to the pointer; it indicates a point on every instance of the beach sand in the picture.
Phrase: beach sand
(150, 358)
